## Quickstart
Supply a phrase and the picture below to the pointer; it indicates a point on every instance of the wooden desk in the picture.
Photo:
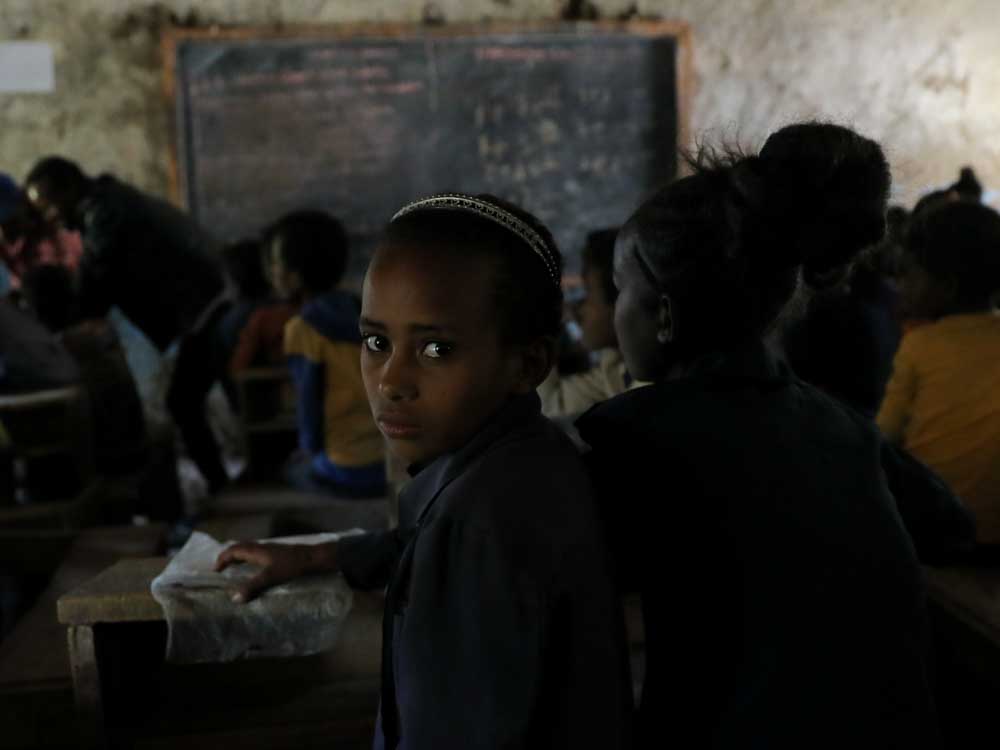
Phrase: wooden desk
(129, 697)
(965, 613)
(44, 423)
(964, 605)
(969, 595)
(36, 687)
(50, 441)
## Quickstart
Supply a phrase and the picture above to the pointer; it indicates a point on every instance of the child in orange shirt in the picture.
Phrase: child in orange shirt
(262, 340)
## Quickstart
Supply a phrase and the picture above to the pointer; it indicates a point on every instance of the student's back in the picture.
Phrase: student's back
(943, 405)
(846, 341)
(783, 591)
(148, 258)
(781, 594)
(322, 344)
(943, 400)
(342, 451)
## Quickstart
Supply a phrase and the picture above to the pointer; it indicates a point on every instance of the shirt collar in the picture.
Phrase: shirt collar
(430, 480)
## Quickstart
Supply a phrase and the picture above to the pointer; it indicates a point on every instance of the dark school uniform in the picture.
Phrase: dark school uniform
(501, 626)
(158, 266)
(147, 257)
(846, 341)
(782, 598)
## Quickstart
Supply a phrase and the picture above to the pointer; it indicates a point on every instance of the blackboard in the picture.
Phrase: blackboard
(575, 122)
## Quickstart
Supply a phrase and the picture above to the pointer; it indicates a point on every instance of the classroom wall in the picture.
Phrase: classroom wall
(919, 75)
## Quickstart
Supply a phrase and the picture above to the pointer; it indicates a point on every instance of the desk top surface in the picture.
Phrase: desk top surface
(970, 593)
(122, 594)
(119, 594)
(12, 401)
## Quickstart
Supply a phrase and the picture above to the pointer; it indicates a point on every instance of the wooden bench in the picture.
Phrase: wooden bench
(965, 617)
(50, 442)
(47, 426)
(81, 510)
(36, 707)
(129, 697)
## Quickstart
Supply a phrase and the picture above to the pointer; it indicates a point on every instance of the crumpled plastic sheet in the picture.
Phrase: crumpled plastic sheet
(300, 617)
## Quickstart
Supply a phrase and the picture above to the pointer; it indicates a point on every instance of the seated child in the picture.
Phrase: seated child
(749, 509)
(571, 395)
(248, 289)
(848, 336)
(942, 403)
(343, 451)
(262, 340)
(501, 627)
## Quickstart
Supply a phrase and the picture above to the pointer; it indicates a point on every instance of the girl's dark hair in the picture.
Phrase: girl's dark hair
(56, 175)
(528, 300)
(959, 241)
(932, 200)
(599, 255)
(242, 263)
(731, 242)
(314, 244)
(968, 186)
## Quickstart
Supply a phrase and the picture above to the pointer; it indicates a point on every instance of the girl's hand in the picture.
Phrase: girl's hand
(279, 563)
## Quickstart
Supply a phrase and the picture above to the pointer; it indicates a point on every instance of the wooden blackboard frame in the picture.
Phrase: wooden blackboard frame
(173, 37)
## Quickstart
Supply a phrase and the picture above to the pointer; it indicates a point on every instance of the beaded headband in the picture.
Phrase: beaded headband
(470, 204)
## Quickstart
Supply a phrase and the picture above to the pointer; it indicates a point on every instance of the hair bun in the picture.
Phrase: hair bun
(825, 195)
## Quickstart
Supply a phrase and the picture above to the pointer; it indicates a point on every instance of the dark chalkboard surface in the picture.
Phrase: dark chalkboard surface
(575, 122)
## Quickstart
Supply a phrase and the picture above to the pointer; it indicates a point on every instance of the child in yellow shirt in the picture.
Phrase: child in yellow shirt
(343, 450)
(942, 402)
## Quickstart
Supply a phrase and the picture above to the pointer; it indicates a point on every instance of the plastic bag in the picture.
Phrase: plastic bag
(300, 617)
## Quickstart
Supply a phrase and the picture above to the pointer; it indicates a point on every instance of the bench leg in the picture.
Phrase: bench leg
(86, 685)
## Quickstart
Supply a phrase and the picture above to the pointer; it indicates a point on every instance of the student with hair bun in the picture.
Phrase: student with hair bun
(942, 401)
(781, 595)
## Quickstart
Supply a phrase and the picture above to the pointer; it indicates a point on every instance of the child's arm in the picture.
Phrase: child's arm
(900, 393)
(279, 563)
(366, 560)
(308, 377)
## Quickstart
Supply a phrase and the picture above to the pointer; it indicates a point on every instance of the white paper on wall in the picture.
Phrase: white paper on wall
(26, 67)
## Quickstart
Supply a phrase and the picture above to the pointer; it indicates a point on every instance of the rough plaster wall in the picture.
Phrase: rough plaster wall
(919, 75)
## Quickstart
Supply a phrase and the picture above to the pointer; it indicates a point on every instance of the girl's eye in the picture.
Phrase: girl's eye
(436, 350)
(376, 343)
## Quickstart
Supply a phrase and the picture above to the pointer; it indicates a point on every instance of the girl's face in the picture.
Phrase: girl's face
(433, 363)
(640, 314)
